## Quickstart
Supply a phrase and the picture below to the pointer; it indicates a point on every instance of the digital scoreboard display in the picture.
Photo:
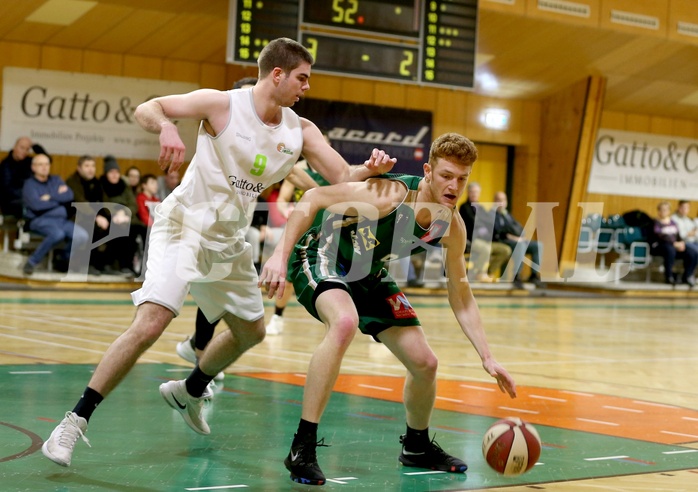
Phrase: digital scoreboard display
(430, 42)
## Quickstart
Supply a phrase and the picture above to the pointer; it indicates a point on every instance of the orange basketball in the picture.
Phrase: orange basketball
(511, 446)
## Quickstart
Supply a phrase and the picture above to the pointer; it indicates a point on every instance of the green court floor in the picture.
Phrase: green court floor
(140, 444)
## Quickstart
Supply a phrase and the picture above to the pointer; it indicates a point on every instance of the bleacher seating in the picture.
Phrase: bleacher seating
(604, 235)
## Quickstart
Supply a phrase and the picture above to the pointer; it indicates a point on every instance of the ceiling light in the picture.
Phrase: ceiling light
(495, 118)
(61, 12)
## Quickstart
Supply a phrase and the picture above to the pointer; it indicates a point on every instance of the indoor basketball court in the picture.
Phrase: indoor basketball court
(607, 384)
(583, 112)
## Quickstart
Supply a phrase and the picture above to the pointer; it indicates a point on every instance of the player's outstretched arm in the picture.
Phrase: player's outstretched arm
(462, 301)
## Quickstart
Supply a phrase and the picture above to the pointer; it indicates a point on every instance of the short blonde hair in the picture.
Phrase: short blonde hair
(453, 147)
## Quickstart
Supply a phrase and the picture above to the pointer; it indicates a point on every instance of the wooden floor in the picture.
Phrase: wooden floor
(610, 383)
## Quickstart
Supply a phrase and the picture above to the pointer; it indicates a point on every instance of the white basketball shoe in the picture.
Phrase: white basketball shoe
(61, 443)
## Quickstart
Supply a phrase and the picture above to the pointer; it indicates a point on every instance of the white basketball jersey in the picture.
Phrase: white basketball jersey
(230, 170)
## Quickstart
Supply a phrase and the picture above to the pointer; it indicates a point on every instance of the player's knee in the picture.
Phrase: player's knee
(147, 328)
(343, 329)
(257, 332)
(150, 332)
(426, 366)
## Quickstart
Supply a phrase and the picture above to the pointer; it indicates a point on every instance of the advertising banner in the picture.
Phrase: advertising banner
(647, 165)
(77, 113)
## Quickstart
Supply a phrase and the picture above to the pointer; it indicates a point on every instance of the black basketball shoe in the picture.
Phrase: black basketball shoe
(433, 458)
(302, 462)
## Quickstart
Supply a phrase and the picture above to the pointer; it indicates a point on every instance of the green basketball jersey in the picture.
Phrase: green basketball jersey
(357, 247)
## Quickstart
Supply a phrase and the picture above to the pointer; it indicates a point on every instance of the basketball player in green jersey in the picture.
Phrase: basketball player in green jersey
(338, 272)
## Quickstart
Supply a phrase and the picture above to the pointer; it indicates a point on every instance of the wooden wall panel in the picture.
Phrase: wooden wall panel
(613, 120)
(355, 90)
(323, 86)
(561, 130)
(451, 112)
(64, 59)
(524, 180)
(591, 118)
(662, 126)
(490, 170)
(145, 67)
(638, 123)
(180, 71)
(20, 55)
(423, 98)
(212, 76)
(233, 73)
(684, 128)
(390, 94)
(102, 63)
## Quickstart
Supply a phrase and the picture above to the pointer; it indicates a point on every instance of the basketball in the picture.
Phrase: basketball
(511, 446)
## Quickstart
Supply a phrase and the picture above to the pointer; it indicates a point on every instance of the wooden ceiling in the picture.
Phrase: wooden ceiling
(519, 57)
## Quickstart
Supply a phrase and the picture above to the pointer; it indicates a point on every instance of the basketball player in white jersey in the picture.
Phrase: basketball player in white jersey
(247, 140)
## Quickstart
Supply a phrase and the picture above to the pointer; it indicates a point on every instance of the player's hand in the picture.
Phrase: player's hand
(273, 276)
(504, 380)
(380, 162)
(171, 149)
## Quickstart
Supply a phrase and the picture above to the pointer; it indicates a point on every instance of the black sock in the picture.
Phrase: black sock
(416, 440)
(88, 403)
(197, 381)
(307, 432)
(204, 331)
(279, 311)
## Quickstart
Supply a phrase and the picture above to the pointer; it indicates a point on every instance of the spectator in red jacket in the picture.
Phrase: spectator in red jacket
(148, 197)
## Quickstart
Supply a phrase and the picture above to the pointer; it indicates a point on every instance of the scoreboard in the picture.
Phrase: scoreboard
(428, 42)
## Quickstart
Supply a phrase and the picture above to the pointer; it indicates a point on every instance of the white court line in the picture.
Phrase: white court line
(681, 451)
(341, 480)
(92, 342)
(449, 399)
(650, 404)
(425, 473)
(576, 393)
(380, 388)
(73, 322)
(53, 344)
(561, 400)
(690, 418)
(218, 487)
(678, 434)
(598, 422)
(31, 372)
(521, 410)
(601, 458)
(621, 409)
(476, 387)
